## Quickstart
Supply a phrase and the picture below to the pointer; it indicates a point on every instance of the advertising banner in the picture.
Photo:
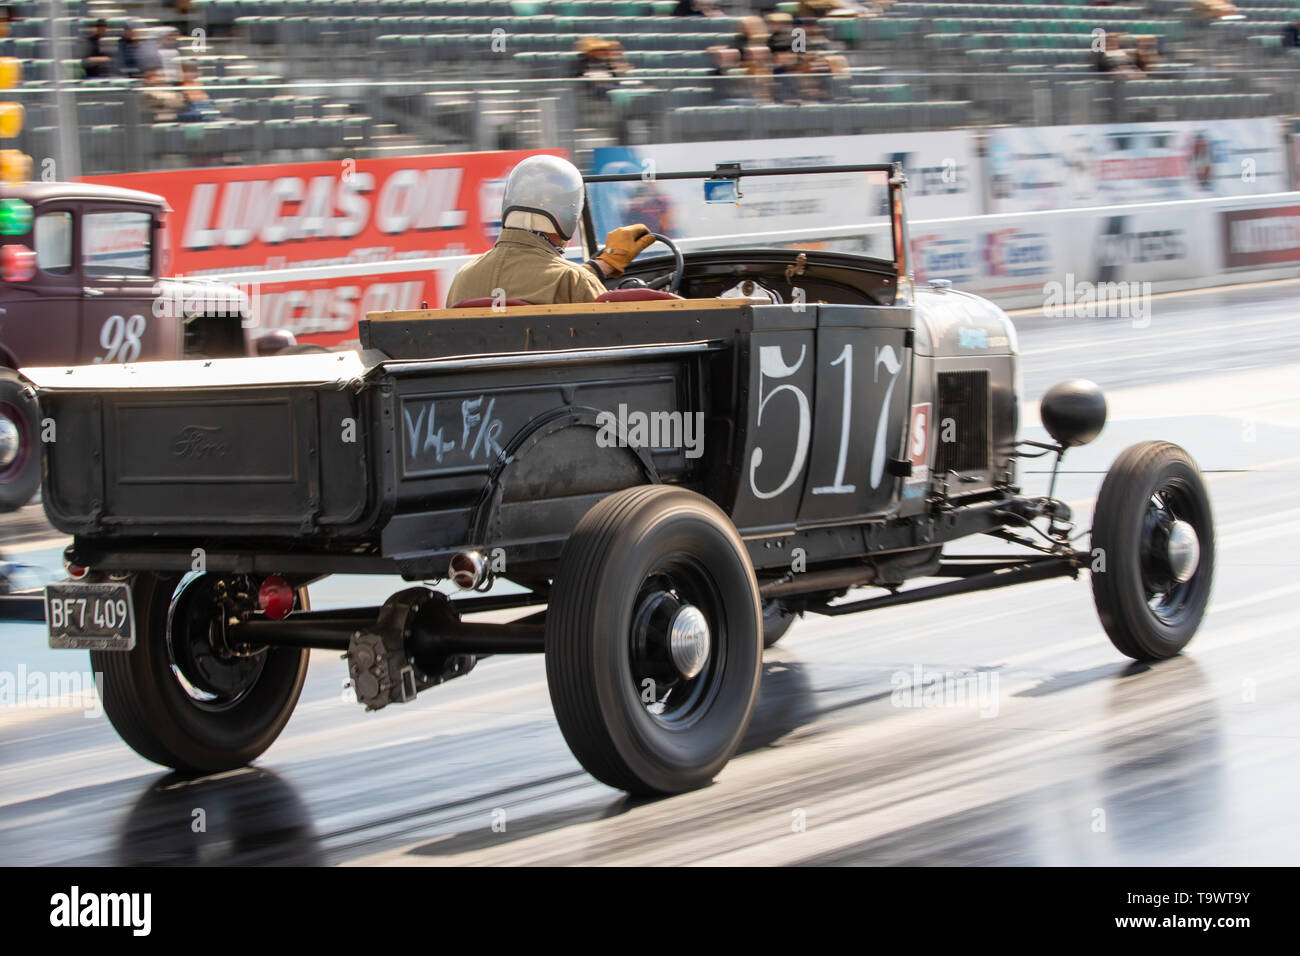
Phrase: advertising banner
(1260, 237)
(1149, 244)
(1000, 259)
(942, 168)
(1015, 259)
(228, 221)
(1060, 167)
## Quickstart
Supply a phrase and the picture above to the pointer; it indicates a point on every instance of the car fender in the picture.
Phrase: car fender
(537, 464)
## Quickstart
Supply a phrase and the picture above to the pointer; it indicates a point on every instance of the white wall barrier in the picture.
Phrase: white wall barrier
(1174, 246)
(1012, 259)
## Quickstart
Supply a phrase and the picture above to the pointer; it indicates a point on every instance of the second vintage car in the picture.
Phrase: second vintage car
(83, 280)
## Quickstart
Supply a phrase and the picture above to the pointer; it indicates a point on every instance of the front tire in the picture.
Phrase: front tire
(654, 640)
(20, 456)
(174, 701)
(1153, 534)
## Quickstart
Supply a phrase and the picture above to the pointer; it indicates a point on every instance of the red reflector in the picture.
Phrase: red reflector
(73, 570)
(275, 597)
(17, 263)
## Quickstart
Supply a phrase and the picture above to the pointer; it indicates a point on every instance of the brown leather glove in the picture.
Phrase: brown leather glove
(622, 246)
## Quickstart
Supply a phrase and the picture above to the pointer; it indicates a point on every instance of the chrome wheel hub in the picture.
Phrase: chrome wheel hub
(689, 641)
(10, 442)
(1183, 550)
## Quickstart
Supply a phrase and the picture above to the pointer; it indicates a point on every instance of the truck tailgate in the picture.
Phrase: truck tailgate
(171, 448)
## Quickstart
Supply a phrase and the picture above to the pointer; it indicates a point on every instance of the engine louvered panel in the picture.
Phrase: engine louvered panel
(963, 419)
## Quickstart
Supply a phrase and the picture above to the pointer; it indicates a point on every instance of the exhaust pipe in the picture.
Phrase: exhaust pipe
(470, 571)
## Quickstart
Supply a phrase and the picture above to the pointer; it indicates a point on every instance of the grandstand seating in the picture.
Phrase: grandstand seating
(922, 66)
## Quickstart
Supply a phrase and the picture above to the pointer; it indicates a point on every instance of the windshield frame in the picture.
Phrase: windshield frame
(895, 179)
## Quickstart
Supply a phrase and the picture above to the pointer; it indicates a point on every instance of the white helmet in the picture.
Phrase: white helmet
(542, 192)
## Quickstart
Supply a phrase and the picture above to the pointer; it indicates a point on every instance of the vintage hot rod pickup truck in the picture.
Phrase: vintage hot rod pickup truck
(736, 436)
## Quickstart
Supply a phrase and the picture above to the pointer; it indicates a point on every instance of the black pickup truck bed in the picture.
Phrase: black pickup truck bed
(387, 459)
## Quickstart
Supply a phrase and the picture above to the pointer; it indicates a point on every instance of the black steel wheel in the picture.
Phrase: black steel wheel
(1153, 551)
(183, 698)
(653, 640)
(20, 453)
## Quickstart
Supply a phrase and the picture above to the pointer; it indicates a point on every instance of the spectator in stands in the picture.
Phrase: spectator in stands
(169, 58)
(759, 67)
(752, 41)
(756, 56)
(1207, 10)
(786, 85)
(781, 33)
(695, 8)
(816, 9)
(162, 101)
(1111, 59)
(1146, 55)
(749, 56)
(731, 82)
(861, 8)
(601, 60)
(197, 107)
(98, 60)
(814, 38)
(137, 55)
(1291, 35)
(725, 60)
(797, 79)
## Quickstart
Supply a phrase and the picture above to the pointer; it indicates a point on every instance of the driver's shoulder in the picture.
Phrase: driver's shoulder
(584, 279)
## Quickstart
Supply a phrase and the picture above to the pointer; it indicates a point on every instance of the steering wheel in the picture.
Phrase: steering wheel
(672, 280)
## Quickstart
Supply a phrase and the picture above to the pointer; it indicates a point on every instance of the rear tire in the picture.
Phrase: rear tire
(643, 565)
(168, 720)
(20, 452)
(1148, 613)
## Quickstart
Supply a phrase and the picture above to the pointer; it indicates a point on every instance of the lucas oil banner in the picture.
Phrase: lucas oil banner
(251, 219)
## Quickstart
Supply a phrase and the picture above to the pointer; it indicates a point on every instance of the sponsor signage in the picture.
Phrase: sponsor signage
(1261, 237)
(943, 173)
(988, 256)
(1062, 167)
(251, 219)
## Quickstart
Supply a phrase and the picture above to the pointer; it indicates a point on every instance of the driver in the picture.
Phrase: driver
(539, 213)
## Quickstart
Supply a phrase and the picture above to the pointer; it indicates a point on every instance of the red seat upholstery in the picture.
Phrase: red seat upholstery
(485, 303)
(635, 295)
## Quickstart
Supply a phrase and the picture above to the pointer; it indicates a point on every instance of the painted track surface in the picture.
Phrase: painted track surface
(1077, 756)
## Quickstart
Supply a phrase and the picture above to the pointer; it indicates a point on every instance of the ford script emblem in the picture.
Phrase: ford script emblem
(197, 442)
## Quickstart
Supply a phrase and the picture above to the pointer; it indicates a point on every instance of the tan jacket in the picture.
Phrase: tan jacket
(525, 266)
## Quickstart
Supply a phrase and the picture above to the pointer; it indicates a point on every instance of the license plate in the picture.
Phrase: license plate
(97, 617)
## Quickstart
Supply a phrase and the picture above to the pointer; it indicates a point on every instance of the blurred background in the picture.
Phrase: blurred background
(152, 85)
(336, 157)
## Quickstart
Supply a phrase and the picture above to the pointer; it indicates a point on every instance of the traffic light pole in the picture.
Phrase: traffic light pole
(67, 161)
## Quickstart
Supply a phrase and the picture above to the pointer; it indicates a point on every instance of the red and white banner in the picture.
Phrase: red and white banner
(251, 219)
(1267, 236)
(1063, 167)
